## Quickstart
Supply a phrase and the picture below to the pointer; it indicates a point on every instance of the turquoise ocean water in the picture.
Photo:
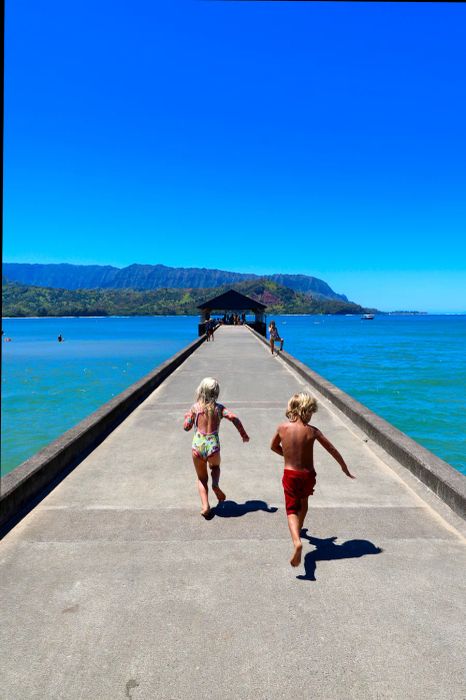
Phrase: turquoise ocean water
(409, 369)
(48, 387)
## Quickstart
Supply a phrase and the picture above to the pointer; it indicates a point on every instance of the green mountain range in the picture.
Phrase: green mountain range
(26, 300)
(141, 277)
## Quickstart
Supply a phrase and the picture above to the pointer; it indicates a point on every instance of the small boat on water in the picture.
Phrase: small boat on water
(367, 317)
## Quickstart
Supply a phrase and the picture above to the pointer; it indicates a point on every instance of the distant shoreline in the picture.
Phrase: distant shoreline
(357, 315)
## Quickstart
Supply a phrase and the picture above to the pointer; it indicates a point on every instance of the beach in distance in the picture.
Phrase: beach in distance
(410, 369)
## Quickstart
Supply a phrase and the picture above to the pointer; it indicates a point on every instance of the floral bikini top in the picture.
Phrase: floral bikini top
(216, 414)
(192, 417)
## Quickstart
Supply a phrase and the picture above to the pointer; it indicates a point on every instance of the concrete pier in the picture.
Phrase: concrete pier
(115, 587)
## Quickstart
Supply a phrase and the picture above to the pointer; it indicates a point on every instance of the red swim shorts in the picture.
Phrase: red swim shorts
(297, 485)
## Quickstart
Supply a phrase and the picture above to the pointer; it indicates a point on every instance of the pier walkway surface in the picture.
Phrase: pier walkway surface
(115, 587)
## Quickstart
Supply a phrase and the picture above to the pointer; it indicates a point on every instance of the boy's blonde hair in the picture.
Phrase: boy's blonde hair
(207, 392)
(302, 406)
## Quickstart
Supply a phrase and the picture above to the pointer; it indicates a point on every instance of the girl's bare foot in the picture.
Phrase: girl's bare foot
(296, 558)
(219, 493)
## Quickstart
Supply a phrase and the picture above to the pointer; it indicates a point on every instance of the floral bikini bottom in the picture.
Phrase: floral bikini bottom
(204, 446)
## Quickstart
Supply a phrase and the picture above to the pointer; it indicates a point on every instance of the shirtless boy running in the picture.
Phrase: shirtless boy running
(294, 441)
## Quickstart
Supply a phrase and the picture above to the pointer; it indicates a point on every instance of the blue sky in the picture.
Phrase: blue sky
(321, 138)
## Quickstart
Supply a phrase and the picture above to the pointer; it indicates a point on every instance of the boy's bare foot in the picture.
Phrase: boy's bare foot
(219, 493)
(296, 558)
(206, 512)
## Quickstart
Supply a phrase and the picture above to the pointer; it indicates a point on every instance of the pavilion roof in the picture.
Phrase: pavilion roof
(232, 301)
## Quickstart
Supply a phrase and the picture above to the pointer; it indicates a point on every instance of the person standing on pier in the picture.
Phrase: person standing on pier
(274, 336)
(205, 415)
(294, 440)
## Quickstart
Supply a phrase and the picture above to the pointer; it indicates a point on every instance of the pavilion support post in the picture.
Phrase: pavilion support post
(202, 321)
(259, 323)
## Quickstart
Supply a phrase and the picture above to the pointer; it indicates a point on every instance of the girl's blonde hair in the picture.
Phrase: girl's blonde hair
(302, 406)
(207, 392)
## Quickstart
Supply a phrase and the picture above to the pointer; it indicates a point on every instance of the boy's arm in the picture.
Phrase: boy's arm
(236, 422)
(189, 419)
(320, 437)
(275, 445)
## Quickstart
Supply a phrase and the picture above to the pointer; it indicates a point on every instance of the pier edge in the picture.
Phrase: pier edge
(29, 482)
(439, 476)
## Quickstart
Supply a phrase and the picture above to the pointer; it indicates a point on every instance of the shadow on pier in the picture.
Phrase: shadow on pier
(231, 509)
(327, 550)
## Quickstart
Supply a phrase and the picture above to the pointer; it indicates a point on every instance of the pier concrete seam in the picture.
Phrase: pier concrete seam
(439, 476)
(28, 483)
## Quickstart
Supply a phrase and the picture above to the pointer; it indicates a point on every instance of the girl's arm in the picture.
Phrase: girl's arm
(320, 437)
(189, 419)
(276, 444)
(236, 422)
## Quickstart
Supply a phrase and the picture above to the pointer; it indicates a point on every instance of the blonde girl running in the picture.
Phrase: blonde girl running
(205, 415)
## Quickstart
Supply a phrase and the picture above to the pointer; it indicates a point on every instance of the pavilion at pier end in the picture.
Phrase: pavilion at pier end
(234, 304)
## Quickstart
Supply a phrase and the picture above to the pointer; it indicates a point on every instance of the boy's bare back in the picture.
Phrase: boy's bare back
(297, 443)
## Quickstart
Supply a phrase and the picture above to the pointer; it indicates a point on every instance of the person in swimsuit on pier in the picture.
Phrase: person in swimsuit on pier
(205, 416)
(294, 440)
(274, 336)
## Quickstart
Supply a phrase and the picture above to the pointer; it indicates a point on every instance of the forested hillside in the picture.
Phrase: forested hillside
(24, 300)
